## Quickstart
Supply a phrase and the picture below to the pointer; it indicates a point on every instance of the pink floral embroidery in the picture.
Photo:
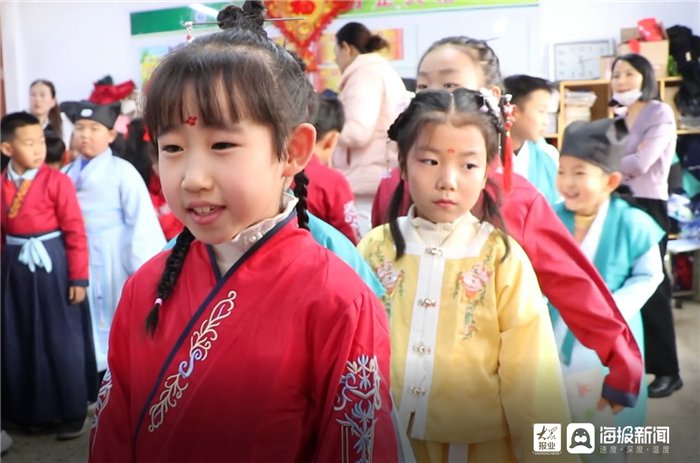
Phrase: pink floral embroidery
(351, 218)
(474, 280)
(474, 283)
(389, 276)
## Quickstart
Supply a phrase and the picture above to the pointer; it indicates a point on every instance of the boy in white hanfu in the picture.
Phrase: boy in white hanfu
(122, 227)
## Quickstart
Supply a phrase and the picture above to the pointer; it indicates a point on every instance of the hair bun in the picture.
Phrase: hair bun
(251, 17)
(376, 43)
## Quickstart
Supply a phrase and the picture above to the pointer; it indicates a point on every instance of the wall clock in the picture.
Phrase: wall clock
(579, 60)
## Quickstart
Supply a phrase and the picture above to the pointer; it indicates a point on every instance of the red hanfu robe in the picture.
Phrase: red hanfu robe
(283, 359)
(50, 204)
(331, 199)
(567, 278)
(48, 364)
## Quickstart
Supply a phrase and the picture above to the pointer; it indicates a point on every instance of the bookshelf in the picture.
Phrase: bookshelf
(668, 87)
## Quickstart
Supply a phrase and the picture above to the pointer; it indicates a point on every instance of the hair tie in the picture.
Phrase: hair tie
(159, 302)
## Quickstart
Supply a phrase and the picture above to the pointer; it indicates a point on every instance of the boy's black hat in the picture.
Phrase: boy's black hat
(104, 114)
(600, 142)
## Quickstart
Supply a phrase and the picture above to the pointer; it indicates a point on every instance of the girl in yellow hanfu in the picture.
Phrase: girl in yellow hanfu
(474, 362)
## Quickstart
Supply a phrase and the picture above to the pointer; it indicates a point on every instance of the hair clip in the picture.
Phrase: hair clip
(490, 98)
(190, 24)
(188, 31)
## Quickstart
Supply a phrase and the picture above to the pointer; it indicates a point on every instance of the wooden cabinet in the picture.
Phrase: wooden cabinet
(668, 87)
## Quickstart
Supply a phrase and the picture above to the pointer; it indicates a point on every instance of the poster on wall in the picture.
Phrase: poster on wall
(150, 57)
(159, 31)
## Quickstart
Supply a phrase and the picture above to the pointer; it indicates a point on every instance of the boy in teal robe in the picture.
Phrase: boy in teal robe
(621, 241)
(535, 159)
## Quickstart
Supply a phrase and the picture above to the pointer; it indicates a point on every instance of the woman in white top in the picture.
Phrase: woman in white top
(44, 105)
(372, 94)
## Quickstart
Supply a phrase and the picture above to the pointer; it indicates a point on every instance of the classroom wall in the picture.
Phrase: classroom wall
(74, 44)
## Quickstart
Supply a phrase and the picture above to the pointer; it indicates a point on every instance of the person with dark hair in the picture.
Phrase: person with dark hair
(45, 353)
(330, 197)
(55, 150)
(621, 240)
(645, 169)
(372, 94)
(44, 105)
(566, 276)
(247, 341)
(121, 224)
(474, 359)
(534, 159)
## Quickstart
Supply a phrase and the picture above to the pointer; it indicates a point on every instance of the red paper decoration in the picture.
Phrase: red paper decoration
(317, 15)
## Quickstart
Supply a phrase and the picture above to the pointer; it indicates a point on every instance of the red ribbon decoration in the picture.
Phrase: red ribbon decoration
(107, 94)
(317, 15)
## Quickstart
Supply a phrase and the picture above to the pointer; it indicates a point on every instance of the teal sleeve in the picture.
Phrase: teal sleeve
(691, 184)
(339, 244)
(170, 244)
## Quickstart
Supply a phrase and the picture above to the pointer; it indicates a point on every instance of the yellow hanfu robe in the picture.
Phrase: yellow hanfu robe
(474, 362)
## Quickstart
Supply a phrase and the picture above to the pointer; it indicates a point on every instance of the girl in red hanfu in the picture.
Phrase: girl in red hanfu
(566, 276)
(48, 362)
(247, 341)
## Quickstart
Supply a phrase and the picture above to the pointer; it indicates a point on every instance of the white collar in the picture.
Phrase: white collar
(590, 243)
(229, 252)
(521, 161)
(437, 234)
(28, 174)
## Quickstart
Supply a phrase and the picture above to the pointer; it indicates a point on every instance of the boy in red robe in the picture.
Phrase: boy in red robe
(330, 197)
(45, 328)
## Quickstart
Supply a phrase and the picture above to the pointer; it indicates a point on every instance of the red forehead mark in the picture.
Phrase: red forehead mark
(192, 120)
(451, 151)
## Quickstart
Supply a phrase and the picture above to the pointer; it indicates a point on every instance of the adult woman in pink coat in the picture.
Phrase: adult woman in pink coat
(372, 94)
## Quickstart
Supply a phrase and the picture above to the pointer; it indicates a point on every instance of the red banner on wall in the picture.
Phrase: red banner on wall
(303, 33)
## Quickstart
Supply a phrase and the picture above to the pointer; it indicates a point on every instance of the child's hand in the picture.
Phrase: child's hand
(76, 294)
(615, 408)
